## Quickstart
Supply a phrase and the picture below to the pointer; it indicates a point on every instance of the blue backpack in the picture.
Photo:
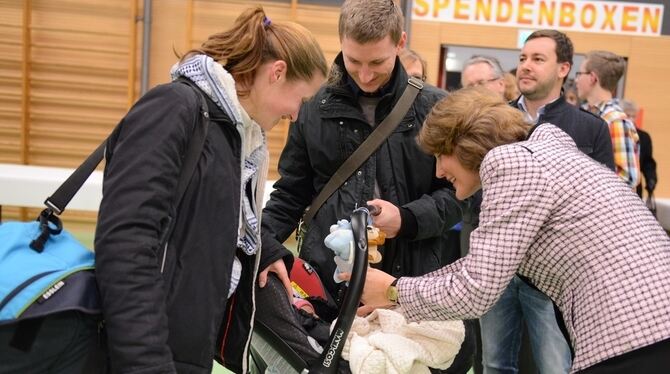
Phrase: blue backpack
(29, 278)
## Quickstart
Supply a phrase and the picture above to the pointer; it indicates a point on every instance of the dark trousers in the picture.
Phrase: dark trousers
(64, 343)
(652, 359)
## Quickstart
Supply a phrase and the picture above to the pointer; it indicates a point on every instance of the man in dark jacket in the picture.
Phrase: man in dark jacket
(417, 209)
(545, 61)
(647, 162)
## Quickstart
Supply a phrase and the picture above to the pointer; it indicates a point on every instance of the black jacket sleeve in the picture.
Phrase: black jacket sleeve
(439, 210)
(435, 213)
(647, 162)
(138, 192)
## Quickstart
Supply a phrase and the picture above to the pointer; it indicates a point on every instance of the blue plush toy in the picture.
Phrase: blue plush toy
(341, 242)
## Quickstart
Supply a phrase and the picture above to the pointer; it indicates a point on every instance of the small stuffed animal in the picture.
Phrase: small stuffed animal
(376, 237)
(341, 242)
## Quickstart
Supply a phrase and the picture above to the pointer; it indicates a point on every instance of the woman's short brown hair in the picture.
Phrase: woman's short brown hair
(469, 123)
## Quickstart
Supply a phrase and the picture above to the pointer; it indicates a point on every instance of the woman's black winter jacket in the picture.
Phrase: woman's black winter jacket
(166, 307)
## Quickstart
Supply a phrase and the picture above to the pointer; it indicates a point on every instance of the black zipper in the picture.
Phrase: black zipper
(22, 286)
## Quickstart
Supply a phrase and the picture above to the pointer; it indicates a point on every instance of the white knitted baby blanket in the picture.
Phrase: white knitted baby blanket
(383, 342)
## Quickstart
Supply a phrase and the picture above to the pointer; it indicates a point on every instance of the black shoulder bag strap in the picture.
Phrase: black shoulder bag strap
(367, 148)
(57, 202)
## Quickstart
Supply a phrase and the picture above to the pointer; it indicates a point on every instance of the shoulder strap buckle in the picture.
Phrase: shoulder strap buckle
(415, 82)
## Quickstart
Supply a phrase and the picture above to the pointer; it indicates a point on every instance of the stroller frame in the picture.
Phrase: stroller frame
(270, 354)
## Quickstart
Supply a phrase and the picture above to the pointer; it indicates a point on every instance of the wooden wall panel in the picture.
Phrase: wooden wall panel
(79, 70)
(11, 14)
(648, 84)
(77, 67)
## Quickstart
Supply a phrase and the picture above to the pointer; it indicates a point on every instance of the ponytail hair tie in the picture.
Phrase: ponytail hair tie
(266, 21)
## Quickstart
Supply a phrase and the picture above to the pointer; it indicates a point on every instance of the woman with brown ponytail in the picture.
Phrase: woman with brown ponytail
(177, 276)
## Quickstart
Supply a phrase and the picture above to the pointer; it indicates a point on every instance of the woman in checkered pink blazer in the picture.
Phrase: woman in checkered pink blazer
(565, 223)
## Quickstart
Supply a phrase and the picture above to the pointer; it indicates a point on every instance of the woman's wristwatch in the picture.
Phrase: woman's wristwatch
(392, 292)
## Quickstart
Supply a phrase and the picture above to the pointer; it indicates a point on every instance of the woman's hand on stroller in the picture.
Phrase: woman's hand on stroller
(278, 267)
(374, 290)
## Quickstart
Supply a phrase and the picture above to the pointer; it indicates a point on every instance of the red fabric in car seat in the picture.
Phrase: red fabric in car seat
(306, 281)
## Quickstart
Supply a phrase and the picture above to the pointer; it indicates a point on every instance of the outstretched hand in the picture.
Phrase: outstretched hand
(278, 267)
(374, 290)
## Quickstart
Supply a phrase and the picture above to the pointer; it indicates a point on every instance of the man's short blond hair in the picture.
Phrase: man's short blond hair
(366, 21)
(607, 66)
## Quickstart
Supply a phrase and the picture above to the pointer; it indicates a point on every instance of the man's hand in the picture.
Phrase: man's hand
(388, 219)
(278, 267)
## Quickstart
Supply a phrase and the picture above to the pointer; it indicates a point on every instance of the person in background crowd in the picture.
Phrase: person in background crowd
(414, 64)
(570, 92)
(544, 63)
(483, 71)
(605, 265)
(176, 278)
(647, 162)
(596, 84)
(416, 208)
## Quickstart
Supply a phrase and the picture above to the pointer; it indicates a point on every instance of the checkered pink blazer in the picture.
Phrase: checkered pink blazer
(577, 231)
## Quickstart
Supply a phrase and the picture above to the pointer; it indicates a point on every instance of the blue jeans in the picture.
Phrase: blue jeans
(502, 328)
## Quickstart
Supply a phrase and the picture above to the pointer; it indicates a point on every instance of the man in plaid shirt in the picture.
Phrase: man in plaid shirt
(596, 83)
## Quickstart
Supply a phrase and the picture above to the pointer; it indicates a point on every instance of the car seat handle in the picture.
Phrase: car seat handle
(329, 360)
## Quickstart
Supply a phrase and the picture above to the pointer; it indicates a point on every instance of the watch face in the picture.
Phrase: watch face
(392, 294)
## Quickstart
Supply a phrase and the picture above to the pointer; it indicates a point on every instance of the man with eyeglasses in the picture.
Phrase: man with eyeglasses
(544, 64)
(483, 71)
(596, 83)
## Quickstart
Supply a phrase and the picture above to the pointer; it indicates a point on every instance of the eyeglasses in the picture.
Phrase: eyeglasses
(483, 82)
(578, 73)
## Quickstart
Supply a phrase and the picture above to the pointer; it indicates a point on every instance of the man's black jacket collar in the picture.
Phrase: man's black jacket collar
(348, 86)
